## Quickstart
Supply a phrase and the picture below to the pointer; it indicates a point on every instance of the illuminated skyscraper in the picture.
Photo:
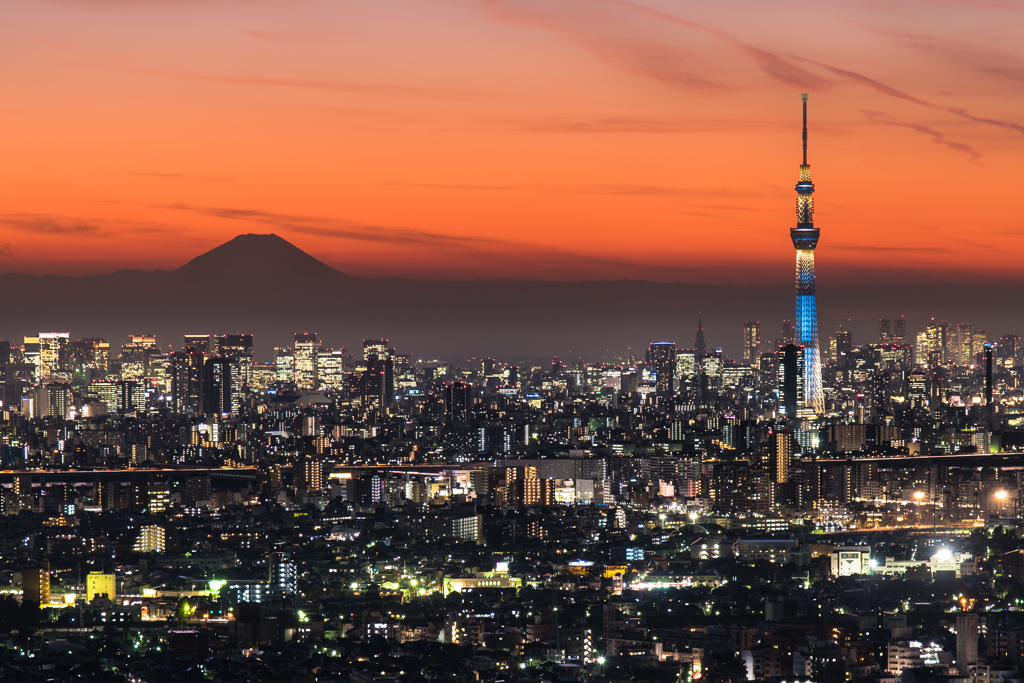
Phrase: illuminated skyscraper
(805, 239)
(307, 352)
(49, 352)
(930, 349)
(457, 403)
(218, 387)
(379, 377)
(662, 358)
(790, 369)
(238, 348)
(899, 333)
(331, 368)
(961, 343)
(751, 341)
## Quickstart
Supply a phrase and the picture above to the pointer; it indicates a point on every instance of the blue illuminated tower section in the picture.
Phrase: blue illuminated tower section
(805, 239)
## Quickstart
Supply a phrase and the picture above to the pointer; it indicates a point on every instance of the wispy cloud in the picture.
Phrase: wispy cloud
(608, 33)
(48, 225)
(377, 89)
(481, 249)
(618, 124)
(1006, 67)
(899, 94)
(6, 251)
(779, 66)
(772, 64)
(937, 137)
(341, 228)
(611, 189)
(879, 248)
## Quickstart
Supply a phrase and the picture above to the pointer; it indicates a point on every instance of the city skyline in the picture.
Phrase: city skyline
(384, 151)
(459, 342)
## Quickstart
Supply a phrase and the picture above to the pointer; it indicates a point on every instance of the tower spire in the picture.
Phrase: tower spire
(804, 97)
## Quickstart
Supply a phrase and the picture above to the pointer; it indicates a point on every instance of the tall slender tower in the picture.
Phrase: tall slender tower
(699, 346)
(805, 239)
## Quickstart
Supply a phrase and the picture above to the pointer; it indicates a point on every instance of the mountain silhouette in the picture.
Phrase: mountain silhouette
(254, 255)
(266, 286)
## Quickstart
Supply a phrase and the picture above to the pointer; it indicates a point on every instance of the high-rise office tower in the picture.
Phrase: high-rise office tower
(196, 349)
(135, 355)
(1008, 350)
(790, 369)
(751, 340)
(788, 334)
(53, 399)
(284, 364)
(844, 343)
(805, 240)
(218, 388)
(54, 353)
(186, 371)
(686, 367)
(331, 368)
(237, 348)
(979, 338)
(91, 353)
(380, 370)
(49, 352)
(662, 358)
(931, 344)
(961, 344)
(899, 332)
(197, 342)
(307, 352)
(457, 403)
(376, 348)
(884, 331)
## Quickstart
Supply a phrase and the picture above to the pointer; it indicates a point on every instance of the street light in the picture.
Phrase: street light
(919, 496)
(1002, 496)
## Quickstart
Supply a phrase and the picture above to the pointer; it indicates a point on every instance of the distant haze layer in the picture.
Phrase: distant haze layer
(262, 284)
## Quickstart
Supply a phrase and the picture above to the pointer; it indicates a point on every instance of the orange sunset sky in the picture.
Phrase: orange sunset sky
(532, 139)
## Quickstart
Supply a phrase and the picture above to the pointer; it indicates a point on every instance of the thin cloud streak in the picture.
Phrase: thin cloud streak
(349, 230)
(46, 225)
(666, 63)
(314, 84)
(779, 69)
(937, 137)
(338, 228)
(860, 247)
(769, 62)
(899, 94)
(1002, 65)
